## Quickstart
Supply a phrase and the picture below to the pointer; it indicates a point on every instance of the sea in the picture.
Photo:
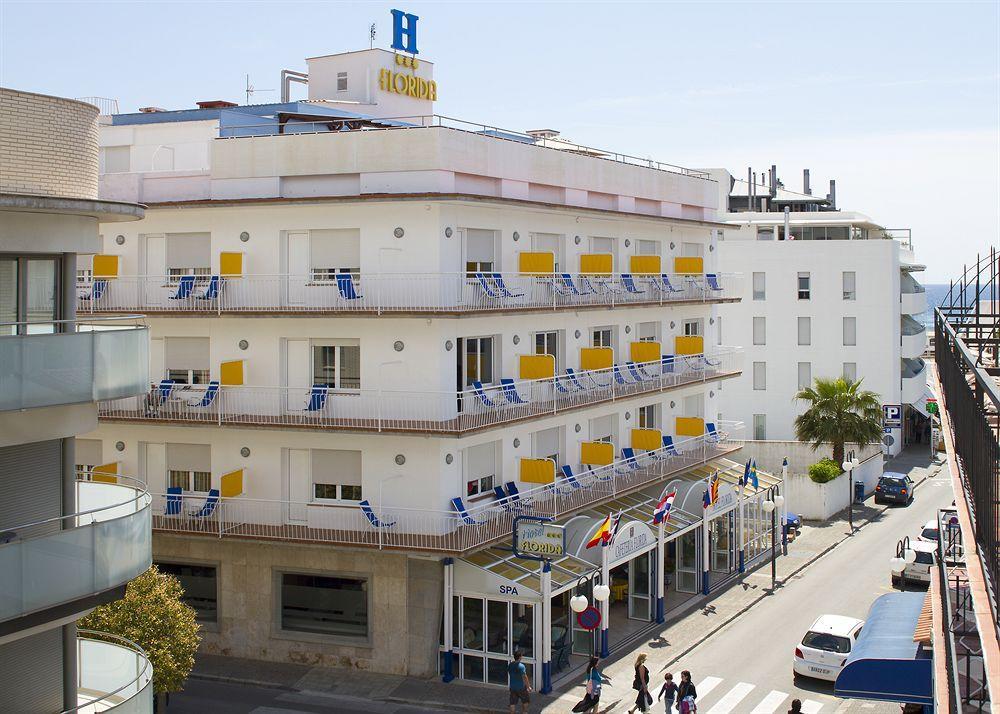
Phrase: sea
(935, 294)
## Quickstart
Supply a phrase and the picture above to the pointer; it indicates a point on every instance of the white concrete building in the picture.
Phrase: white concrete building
(838, 297)
(377, 341)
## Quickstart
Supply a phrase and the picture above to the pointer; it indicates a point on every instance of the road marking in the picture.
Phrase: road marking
(810, 707)
(707, 685)
(733, 697)
(770, 703)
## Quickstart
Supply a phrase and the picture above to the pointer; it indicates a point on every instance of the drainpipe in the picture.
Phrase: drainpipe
(660, 562)
(606, 605)
(704, 552)
(784, 508)
(287, 77)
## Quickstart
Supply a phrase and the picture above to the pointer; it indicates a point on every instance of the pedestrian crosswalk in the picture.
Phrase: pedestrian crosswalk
(718, 697)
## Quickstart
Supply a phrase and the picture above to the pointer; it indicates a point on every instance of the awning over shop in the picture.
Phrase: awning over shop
(496, 571)
(921, 404)
(886, 663)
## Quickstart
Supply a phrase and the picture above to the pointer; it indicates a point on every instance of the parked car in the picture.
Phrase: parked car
(825, 647)
(929, 533)
(918, 571)
(894, 488)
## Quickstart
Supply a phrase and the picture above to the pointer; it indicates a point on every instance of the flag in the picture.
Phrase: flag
(661, 514)
(753, 474)
(714, 486)
(745, 479)
(614, 529)
(603, 533)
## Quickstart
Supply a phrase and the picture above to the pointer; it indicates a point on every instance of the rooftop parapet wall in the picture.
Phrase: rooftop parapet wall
(48, 146)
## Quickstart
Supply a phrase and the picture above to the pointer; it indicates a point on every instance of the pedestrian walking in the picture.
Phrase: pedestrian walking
(796, 707)
(668, 692)
(520, 687)
(686, 694)
(592, 698)
(641, 684)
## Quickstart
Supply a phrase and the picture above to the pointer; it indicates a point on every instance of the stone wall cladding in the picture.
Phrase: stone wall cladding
(48, 145)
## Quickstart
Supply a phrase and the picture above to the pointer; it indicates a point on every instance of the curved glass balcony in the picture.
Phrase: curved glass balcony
(113, 674)
(106, 543)
(914, 380)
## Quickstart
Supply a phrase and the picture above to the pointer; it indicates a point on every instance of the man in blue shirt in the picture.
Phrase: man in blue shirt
(520, 687)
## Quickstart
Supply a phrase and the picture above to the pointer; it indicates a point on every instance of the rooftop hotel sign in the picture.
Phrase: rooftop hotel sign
(404, 39)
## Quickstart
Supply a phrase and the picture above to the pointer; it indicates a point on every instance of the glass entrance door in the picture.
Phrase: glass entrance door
(687, 562)
(639, 588)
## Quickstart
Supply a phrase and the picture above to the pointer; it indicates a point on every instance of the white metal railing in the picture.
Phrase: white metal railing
(435, 530)
(379, 293)
(112, 674)
(422, 411)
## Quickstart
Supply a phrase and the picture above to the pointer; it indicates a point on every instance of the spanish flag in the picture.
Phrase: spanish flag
(603, 533)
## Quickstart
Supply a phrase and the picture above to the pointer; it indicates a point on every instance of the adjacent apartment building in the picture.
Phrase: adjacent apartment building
(828, 292)
(378, 336)
(72, 532)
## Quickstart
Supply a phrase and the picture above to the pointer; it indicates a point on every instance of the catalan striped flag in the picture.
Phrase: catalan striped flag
(712, 492)
(602, 534)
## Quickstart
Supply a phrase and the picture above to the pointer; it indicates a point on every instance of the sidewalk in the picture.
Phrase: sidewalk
(676, 638)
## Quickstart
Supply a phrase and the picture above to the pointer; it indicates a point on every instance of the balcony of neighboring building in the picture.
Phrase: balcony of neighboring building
(540, 487)
(913, 297)
(63, 362)
(913, 337)
(914, 380)
(113, 674)
(539, 393)
(52, 564)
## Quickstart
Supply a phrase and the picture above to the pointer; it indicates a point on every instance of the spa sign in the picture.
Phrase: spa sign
(538, 539)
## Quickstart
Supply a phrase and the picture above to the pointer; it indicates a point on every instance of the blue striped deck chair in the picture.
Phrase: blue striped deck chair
(628, 282)
(463, 513)
(596, 473)
(515, 496)
(605, 284)
(666, 364)
(503, 500)
(629, 464)
(477, 388)
(633, 369)
(695, 282)
(710, 363)
(668, 446)
(664, 285)
(574, 379)
(345, 285)
(712, 279)
(376, 522)
(184, 288)
(211, 290)
(695, 362)
(165, 389)
(502, 287)
(557, 382)
(97, 289)
(208, 507)
(317, 398)
(174, 500)
(489, 289)
(712, 435)
(510, 392)
(570, 477)
(208, 397)
(643, 368)
(620, 376)
(564, 285)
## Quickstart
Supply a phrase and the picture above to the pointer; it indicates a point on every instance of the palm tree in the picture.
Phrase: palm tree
(840, 412)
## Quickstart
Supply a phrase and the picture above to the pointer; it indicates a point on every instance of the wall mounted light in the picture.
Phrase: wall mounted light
(577, 428)
(671, 245)
(244, 344)
(576, 240)
(119, 446)
(448, 344)
(628, 415)
(400, 459)
(673, 404)
(628, 329)
(577, 333)
(398, 232)
(517, 236)
(398, 345)
(517, 442)
(244, 237)
(627, 242)
(447, 232)
(245, 452)
(120, 239)
(448, 458)
(517, 340)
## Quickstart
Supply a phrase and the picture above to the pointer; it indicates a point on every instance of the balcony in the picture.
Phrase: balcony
(106, 543)
(113, 674)
(912, 297)
(438, 531)
(446, 413)
(913, 338)
(914, 380)
(400, 294)
(46, 364)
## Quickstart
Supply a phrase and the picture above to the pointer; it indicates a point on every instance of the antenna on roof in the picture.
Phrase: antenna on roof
(371, 36)
(250, 89)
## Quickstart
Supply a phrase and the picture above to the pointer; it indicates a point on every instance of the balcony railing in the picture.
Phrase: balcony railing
(431, 530)
(69, 362)
(113, 674)
(403, 293)
(106, 543)
(421, 411)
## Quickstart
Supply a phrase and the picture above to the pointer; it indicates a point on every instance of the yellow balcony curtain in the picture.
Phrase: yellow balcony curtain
(596, 263)
(230, 264)
(536, 263)
(232, 373)
(644, 351)
(690, 426)
(597, 453)
(694, 265)
(106, 266)
(538, 471)
(596, 357)
(106, 473)
(689, 345)
(231, 484)
(648, 439)
(537, 366)
(645, 264)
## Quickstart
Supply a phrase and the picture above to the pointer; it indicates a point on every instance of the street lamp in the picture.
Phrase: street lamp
(773, 503)
(850, 463)
(905, 555)
(578, 603)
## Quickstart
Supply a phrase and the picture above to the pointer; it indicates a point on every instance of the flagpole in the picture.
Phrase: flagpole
(606, 605)
(741, 525)
(660, 563)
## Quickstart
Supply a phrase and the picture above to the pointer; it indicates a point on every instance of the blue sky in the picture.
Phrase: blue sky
(900, 102)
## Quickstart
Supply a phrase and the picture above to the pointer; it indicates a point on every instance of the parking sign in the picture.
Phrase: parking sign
(892, 416)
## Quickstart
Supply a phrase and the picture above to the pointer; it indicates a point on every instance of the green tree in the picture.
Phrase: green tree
(152, 615)
(839, 413)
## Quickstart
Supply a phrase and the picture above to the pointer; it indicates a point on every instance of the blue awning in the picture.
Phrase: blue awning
(885, 663)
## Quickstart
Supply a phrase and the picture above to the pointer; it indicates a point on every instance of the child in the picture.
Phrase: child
(669, 689)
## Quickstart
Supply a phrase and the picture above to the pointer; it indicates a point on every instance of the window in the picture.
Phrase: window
(604, 428)
(693, 406)
(324, 605)
(647, 331)
(479, 465)
(647, 417)
(480, 251)
(547, 444)
(115, 159)
(28, 288)
(759, 331)
(805, 375)
(760, 427)
(547, 343)
(851, 371)
(850, 280)
(805, 331)
(850, 331)
(718, 330)
(693, 327)
(692, 250)
(195, 481)
(603, 245)
(188, 254)
(333, 251)
(759, 290)
(186, 359)
(337, 366)
(336, 475)
(341, 81)
(803, 282)
(201, 589)
(602, 337)
(760, 375)
(549, 243)
(647, 247)
(189, 467)
(89, 453)
(478, 360)
(765, 234)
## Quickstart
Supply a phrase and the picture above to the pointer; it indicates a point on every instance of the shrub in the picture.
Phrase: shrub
(824, 470)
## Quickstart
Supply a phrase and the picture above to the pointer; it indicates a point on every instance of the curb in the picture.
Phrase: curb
(239, 680)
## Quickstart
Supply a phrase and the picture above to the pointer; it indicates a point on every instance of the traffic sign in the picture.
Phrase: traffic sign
(589, 619)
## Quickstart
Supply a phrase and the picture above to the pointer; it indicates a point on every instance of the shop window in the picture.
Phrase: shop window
(201, 589)
(324, 605)
(337, 366)
(472, 624)
(522, 630)
(497, 626)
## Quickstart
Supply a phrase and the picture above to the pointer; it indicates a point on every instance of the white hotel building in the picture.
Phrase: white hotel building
(838, 297)
(338, 290)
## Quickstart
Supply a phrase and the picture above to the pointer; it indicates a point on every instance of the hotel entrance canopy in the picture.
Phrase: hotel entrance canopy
(497, 571)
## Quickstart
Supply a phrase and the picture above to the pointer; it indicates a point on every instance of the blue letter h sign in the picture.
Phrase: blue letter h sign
(404, 31)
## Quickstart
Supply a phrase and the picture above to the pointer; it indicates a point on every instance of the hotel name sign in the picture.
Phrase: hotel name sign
(404, 39)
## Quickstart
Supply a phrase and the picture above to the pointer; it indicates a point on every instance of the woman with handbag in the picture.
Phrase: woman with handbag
(641, 684)
(592, 699)
(686, 694)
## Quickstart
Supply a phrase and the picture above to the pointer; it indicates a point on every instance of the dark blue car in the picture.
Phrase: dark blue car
(894, 488)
